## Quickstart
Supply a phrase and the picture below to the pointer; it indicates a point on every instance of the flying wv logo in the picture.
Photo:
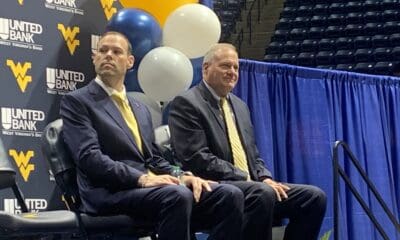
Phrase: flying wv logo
(109, 10)
(19, 72)
(69, 37)
(22, 161)
(21, 2)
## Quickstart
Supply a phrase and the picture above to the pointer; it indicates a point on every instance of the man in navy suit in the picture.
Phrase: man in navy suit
(117, 175)
(200, 137)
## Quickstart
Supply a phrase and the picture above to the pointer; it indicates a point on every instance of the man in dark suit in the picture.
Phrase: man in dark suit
(217, 142)
(120, 169)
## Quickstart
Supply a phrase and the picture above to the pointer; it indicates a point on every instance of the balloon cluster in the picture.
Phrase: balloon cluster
(168, 41)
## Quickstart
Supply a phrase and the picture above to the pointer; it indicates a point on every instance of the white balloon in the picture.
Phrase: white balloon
(153, 106)
(192, 29)
(164, 72)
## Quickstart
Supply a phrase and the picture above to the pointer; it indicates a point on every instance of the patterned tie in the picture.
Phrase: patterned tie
(239, 155)
(129, 117)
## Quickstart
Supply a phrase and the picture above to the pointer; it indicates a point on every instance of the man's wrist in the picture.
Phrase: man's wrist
(143, 180)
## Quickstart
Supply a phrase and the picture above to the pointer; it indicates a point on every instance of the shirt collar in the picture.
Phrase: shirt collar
(107, 89)
(213, 93)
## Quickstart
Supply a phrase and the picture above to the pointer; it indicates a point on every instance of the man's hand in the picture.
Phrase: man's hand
(197, 184)
(280, 189)
(157, 180)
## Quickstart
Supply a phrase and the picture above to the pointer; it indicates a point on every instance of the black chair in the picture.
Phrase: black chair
(316, 32)
(344, 56)
(306, 59)
(380, 41)
(362, 42)
(390, 15)
(333, 31)
(391, 27)
(383, 68)
(291, 47)
(284, 24)
(344, 43)
(382, 54)
(372, 16)
(274, 48)
(321, 9)
(372, 5)
(326, 44)
(355, 18)
(396, 53)
(271, 58)
(63, 168)
(363, 55)
(354, 29)
(289, 58)
(345, 67)
(394, 39)
(325, 58)
(373, 28)
(29, 225)
(309, 45)
(318, 21)
(364, 67)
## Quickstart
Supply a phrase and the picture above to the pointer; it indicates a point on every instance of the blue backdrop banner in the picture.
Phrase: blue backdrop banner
(299, 113)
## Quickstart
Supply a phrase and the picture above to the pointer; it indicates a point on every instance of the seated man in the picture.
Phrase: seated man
(212, 135)
(111, 140)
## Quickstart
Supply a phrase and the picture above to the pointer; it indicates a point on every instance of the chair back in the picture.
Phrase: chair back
(61, 163)
(7, 172)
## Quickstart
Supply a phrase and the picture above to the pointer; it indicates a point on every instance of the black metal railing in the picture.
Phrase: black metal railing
(338, 171)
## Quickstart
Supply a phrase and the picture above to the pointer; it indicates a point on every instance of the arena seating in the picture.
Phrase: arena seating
(228, 11)
(355, 35)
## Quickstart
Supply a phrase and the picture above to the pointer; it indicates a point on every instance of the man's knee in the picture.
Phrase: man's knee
(178, 195)
(264, 194)
(230, 196)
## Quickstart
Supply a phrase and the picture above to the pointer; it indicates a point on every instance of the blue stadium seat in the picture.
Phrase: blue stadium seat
(391, 27)
(396, 53)
(336, 7)
(329, 67)
(321, 9)
(298, 33)
(301, 22)
(318, 21)
(390, 15)
(380, 41)
(289, 12)
(274, 48)
(306, 11)
(390, 4)
(382, 54)
(316, 32)
(324, 58)
(394, 39)
(336, 19)
(289, 58)
(354, 6)
(355, 18)
(280, 35)
(371, 5)
(373, 28)
(284, 24)
(345, 67)
(363, 55)
(333, 31)
(354, 29)
(344, 56)
(272, 58)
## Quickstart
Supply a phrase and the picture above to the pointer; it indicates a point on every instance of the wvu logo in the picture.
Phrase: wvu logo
(22, 161)
(69, 37)
(109, 10)
(21, 2)
(19, 72)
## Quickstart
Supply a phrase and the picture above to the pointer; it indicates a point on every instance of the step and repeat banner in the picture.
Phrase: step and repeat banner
(46, 49)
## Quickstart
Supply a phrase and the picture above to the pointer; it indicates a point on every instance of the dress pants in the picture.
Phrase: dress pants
(305, 207)
(175, 214)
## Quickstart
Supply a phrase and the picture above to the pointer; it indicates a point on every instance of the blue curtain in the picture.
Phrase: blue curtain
(298, 113)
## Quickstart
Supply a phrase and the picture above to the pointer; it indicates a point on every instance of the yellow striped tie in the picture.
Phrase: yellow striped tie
(129, 117)
(239, 155)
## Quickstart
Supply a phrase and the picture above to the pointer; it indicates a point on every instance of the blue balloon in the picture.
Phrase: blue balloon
(131, 81)
(142, 30)
(197, 70)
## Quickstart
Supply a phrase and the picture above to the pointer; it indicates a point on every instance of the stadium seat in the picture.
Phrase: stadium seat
(373, 28)
(364, 67)
(321, 9)
(309, 45)
(372, 5)
(362, 42)
(274, 48)
(325, 58)
(306, 59)
(336, 7)
(318, 21)
(391, 27)
(344, 56)
(326, 44)
(280, 35)
(394, 39)
(289, 12)
(329, 67)
(363, 55)
(396, 53)
(336, 19)
(354, 30)
(344, 43)
(345, 67)
(354, 6)
(372, 16)
(383, 68)
(291, 46)
(306, 11)
(390, 15)
(333, 31)
(380, 41)
(382, 54)
(316, 32)
(390, 4)
(355, 18)
(288, 58)
(298, 34)
(301, 22)
(284, 24)
(271, 58)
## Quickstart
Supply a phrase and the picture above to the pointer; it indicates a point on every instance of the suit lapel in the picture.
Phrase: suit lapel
(238, 112)
(212, 104)
(141, 119)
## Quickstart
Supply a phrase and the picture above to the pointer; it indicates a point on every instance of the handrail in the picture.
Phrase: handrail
(338, 170)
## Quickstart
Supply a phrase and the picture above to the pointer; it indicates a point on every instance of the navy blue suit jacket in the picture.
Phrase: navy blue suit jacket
(103, 148)
(199, 136)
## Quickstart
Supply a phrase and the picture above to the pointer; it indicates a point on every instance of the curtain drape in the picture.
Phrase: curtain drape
(298, 113)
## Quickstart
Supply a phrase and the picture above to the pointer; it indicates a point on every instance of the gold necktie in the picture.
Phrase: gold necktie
(239, 155)
(129, 117)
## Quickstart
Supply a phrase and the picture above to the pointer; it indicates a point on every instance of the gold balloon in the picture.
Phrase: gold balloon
(160, 9)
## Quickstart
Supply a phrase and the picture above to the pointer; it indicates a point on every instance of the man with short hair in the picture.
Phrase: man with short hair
(213, 137)
(110, 137)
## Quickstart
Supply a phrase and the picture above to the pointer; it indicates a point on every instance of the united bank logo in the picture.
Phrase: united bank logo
(19, 71)
(60, 81)
(64, 6)
(94, 41)
(108, 8)
(22, 160)
(21, 122)
(69, 35)
(17, 33)
(34, 205)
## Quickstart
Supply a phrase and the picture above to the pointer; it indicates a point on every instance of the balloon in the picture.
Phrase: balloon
(141, 29)
(160, 9)
(131, 81)
(164, 72)
(153, 106)
(197, 64)
(192, 29)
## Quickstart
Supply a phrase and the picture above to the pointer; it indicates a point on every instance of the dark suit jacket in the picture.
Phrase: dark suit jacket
(200, 139)
(103, 147)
